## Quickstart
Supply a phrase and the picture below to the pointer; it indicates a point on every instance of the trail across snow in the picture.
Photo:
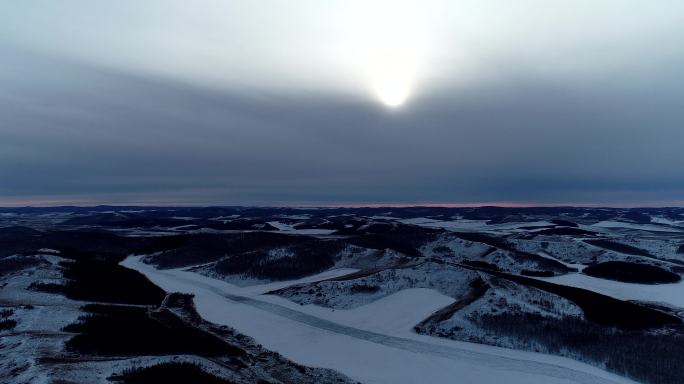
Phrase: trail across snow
(359, 343)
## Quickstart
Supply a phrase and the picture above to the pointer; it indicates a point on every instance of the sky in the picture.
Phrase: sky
(308, 102)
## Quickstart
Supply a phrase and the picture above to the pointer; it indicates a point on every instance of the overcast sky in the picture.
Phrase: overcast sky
(342, 102)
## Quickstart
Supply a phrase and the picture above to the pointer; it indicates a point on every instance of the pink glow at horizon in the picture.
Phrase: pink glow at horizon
(502, 204)
(505, 204)
(181, 202)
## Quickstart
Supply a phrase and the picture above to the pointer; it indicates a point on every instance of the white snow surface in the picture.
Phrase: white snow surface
(371, 343)
(400, 311)
(672, 294)
(611, 224)
(455, 225)
(49, 250)
(286, 228)
(666, 221)
(467, 225)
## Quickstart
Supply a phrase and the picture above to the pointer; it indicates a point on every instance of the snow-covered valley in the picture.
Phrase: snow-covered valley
(372, 344)
(277, 295)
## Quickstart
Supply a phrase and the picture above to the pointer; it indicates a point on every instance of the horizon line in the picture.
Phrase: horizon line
(356, 205)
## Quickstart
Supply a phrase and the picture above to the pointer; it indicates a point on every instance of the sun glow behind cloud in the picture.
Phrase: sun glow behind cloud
(391, 76)
(386, 43)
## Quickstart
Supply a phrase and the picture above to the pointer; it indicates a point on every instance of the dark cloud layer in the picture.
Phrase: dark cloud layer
(80, 132)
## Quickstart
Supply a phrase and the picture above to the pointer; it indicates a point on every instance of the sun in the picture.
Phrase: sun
(387, 43)
(391, 77)
(392, 87)
(392, 94)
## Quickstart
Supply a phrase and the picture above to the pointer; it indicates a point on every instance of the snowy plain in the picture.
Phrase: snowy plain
(672, 294)
(612, 224)
(372, 343)
(286, 228)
